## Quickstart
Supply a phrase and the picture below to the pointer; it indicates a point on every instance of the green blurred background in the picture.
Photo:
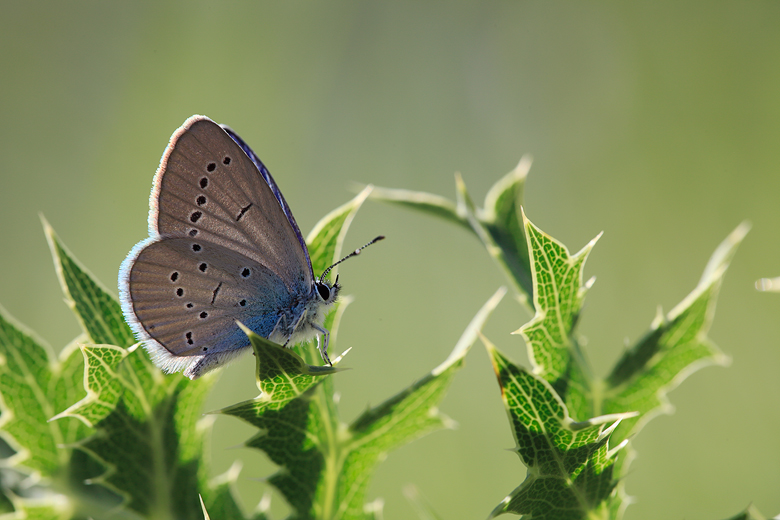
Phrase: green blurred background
(656, 122)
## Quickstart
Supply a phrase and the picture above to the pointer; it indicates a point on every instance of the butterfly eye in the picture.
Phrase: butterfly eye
(324, 291)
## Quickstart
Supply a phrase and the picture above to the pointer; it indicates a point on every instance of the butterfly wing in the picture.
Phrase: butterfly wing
(271, 184)
(207, 187)
(212, 213)
(187, 295)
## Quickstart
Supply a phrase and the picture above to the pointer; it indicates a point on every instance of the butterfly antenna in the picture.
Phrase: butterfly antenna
(353, 253)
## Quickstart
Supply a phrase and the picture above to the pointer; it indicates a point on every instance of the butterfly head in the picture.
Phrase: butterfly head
(327, 292)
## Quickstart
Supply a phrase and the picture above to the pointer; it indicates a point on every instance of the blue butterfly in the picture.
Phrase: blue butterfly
(223, 247)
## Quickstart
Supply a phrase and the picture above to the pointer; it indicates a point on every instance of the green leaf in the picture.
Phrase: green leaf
(676, 346)
(570, 464)
(32, 509)
(96, 309)
(101, 380)
(33, 389)
(501, 217)
(325, 466)
(497, 225)
(282, 375)
(325, 243)
(559, 293)
(148, 433)
(151, 444)
(289, 383)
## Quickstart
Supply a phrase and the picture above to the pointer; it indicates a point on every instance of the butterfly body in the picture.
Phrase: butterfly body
(223, 248)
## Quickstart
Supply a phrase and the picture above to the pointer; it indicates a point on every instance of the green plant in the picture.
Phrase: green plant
(100, 432)
(573, 429)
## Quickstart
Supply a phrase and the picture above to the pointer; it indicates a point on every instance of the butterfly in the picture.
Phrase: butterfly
(223, 247)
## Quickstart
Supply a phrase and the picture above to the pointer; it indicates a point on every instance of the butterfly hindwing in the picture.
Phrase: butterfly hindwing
(187, 295)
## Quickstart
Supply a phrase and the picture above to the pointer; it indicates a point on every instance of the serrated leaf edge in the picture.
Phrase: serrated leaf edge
(92, 396)
(541, 313)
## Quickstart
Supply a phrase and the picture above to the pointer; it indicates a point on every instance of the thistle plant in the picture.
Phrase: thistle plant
(97, 431)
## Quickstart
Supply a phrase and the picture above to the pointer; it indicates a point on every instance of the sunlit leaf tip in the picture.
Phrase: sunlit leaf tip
(712, 276)
(558, 292)
(61, 254)
(509, 186)
(348, 207)
(751, 513)
(722, 256)
(676, 346)
(95, 307)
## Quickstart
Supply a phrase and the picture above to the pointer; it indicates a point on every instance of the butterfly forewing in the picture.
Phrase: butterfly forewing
(271, 184)
(207, 188)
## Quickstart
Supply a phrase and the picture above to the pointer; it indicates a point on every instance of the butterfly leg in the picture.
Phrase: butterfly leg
(323, 351)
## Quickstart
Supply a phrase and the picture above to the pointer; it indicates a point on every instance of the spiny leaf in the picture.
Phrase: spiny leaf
(496, 225)
(33, 388)
(148, 432)
(282, 375)
(95, 308)
(570, 465)
(558, 296)
(295, 403)
(676, 346)
(101, 319)
(325, 466)
(152, 450)
(101, 380)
